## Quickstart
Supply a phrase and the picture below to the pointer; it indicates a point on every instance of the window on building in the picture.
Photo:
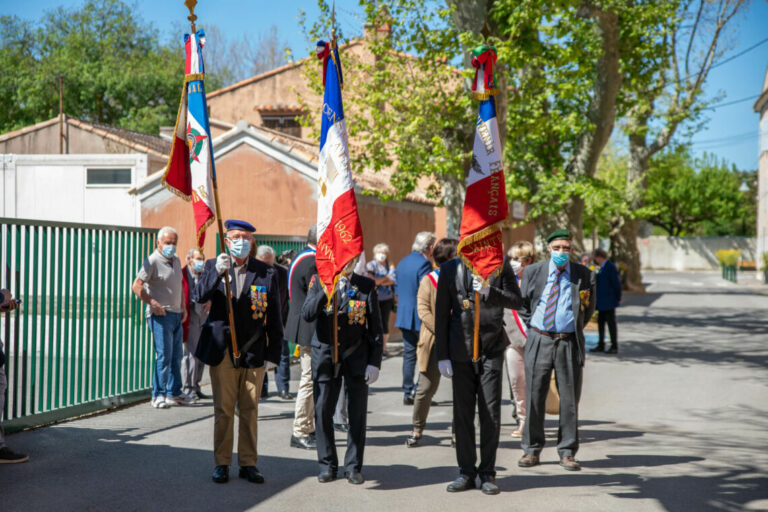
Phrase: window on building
(114, 177)
(286, 124)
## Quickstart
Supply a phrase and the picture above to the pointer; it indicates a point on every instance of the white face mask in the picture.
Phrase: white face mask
(381, 257)
(516, 266)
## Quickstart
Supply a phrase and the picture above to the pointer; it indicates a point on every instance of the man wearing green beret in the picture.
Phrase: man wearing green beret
(558, 299)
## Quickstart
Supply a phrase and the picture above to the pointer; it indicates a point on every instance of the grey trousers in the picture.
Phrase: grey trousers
(191, 367)
(542, 355)
(429, 381)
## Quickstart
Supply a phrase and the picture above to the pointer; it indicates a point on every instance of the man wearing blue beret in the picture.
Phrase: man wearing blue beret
(255, 303)
(558, 299)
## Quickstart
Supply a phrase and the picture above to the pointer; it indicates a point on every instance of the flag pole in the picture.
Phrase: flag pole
(476, 337)
(233, 334)
(336, 365)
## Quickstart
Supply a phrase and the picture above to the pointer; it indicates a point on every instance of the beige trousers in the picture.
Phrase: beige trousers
(304, 421)
(516, 371)
(241, 386)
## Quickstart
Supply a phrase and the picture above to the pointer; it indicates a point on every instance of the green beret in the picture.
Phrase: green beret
(559, 234)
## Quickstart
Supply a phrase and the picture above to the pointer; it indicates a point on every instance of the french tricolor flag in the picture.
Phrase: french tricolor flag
(190, 168)
(485, 203)
(339, 234)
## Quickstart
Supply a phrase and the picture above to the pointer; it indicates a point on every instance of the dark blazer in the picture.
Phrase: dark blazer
(282, 283)
(534, 281)
(408, 275)
(297, 330)
(215, 335)
(608, 287)
(455, 325)
(369, 334)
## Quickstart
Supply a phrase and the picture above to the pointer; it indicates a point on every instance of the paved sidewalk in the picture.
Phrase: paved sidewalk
(678, 421)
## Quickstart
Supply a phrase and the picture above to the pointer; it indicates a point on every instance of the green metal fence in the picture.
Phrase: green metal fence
(78, 342)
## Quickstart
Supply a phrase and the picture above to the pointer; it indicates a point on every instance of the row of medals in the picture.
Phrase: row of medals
(258, 301)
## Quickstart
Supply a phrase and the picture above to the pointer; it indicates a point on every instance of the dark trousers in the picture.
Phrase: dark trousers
(484, 392)
(410, 340)
(326, 394)
(542, 355)
(283, 370)
(609, 317)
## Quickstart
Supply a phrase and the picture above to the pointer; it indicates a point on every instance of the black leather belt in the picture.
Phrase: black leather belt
(554, 335)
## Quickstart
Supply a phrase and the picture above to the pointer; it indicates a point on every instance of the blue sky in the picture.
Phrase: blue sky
(731, 131)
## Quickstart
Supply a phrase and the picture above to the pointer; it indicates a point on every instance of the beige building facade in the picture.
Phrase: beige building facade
(761, 107)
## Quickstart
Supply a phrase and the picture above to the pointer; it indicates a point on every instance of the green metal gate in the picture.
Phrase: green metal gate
(78, 342)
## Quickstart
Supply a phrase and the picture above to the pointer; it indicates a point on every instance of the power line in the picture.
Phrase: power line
(734, 102)
(729, 59)
(731, 138)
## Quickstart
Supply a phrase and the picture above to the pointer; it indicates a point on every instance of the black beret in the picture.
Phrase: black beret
(239, 224)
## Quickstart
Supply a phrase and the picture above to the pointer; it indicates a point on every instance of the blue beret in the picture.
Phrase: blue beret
(239, 224)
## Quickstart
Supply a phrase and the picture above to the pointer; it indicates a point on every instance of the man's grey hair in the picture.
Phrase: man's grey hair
(423, 241)
(381, 248)
(191, 253)
(166, 229)
(312, 235)
(263, 251)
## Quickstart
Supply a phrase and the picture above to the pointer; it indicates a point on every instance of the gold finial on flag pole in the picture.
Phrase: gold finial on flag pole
(333, 25)
(192, 17)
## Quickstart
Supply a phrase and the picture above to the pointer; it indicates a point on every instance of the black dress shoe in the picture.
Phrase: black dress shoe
(264, 392)
(412, 441)
(285, 395)
(326, 476)
(488, 484)
(305, 442)
(434, 404)
(354, 477)
(463, 483)
(598, 348)
(202, 396)
(341, 427)
(221, 474)
(252, 474)
(408, 400)
(612, 350)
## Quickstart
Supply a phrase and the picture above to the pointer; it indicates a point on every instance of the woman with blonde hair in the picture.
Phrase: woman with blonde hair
(520, 255)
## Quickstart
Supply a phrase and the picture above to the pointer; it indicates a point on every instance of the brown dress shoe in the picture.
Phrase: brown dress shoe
(569, 463)
(528, 460)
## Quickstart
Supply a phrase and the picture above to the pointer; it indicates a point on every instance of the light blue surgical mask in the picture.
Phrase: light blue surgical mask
(559, 258)
(198, 265)
(239, 248)
(169, 251)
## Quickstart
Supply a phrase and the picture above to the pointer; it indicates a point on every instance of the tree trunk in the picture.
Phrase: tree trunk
(453, 201)
(624, 251)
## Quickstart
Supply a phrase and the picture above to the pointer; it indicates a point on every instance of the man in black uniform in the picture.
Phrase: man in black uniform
(259, 329)
(474, 384)
(360, 351)
(300, 332)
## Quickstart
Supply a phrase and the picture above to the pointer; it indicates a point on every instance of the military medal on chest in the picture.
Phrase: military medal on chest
(356, 312)
(466, 304)
(258, 301)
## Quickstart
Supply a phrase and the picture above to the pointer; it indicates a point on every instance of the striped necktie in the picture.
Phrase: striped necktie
(551, 309)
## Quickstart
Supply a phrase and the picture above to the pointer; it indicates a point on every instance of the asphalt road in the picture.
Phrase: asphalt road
(678, 421)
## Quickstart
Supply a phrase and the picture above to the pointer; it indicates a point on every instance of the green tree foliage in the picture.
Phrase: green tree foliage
(701, 196)
(115, 69)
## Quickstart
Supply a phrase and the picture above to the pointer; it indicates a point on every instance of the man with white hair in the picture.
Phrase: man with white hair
(410, 271)
(158, 284)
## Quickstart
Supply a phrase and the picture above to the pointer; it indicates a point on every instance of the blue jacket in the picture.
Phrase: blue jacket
(608, 287)
(409, 272)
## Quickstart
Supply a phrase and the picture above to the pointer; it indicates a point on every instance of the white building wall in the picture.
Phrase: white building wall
(54, 188)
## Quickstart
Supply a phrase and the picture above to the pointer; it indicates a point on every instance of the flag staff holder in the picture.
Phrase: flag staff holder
(190, 4)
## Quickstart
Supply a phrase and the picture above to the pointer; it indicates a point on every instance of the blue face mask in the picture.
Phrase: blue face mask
(198, 265)
(169, 251)
(239, 248)
(559, 258)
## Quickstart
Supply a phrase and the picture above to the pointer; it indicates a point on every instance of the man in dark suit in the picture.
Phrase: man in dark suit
(300, 332)
(558, 298)
(255, 303)
(360, 351)
(409, 272)
(474, 384)
(608, 299)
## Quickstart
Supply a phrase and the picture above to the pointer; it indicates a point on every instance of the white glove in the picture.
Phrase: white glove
(223, 263)
(371, 374)
(269, 365)
(477, 284)
(446, 368)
